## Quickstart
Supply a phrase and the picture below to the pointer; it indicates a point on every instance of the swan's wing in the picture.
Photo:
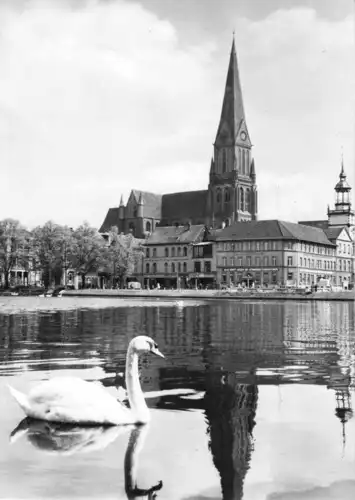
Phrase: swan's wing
(69, 399)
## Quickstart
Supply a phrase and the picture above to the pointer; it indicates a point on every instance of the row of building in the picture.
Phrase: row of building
(213, 237)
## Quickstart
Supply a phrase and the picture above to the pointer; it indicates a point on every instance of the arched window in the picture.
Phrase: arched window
(166, 268)
(173, 252)
(135, 212)
(147, 268)
(224, 160)
(241, 199)
(173, 267)
(154, 252)
(244, 163)
(218, 196)
(247, 200)
(247, 163)
(179, 267)
(166, 252)
(148, 226)
(185, 251)
(227, 195)
(154, 267)
(147, 253)
(179, 251)
(185, 267)
(131, 228)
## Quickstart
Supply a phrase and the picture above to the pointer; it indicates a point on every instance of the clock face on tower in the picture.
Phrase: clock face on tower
(243, 136)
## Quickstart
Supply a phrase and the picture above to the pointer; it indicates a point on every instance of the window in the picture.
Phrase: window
(247, 200)
(179, 267)
(147, 253)
(179, 251)
(185, 251)
(274, 261)
(218, 196)
(147, 270)
(224, 260)
(289, 261)
(258, 246)
(173, 252)
(197, 267)
(166, 268)
(290, 276)
(185, 267)
(301, 261)
(131, 228)
(154, 252)
(248, 261)
(227, 195)
(166, 252)
(240, 261)
(154, 267)
(257, 261)
(274, 245)
(232, 261)
(266, 246)
(148, 226)
(207, 266)
(241, 199)
(266, 261)
(173, 267)
(224, 160)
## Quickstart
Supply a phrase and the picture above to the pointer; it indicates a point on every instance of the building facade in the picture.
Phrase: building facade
(272, 252)
(231, 195)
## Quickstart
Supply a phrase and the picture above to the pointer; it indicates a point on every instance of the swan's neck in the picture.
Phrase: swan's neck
(134, 390)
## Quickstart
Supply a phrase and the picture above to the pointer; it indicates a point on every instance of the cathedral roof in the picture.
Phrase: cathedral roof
(111, 219)
(273, 229)
(181, 207)
(152, 203)
(232, 115)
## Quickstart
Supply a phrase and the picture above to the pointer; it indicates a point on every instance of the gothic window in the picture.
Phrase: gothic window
(218, 196)
(185, 267)
(148, 226)
(241, 199)
(224, 160)
(147, 268)
(173, 252)
(154, 267)
(173, 267)
(227, 195)
(131, 228)
(166, 268)
(179, 251)
(179, 267)
(135, 212)
(167, 252)
(185, 251)
(147, 253)
(247, 200)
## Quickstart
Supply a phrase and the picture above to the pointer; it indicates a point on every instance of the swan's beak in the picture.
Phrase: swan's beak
(156, 351)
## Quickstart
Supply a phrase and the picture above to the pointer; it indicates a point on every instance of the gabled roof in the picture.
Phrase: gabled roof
(334, 232)
(182, 207)
(111, 220)
(151, 203)
(232, 115)
(273, 229)
(176, 234)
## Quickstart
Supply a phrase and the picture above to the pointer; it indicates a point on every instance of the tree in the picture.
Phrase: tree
(12, 246)
(49, 244)
(122, 255)
(86, 250)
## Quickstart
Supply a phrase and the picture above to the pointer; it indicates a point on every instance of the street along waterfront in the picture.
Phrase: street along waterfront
(244, 384)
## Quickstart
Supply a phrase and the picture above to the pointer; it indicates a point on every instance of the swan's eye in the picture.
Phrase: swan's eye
(155, 346)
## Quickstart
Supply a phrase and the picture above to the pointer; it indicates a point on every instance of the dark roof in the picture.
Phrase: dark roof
(151, 203)
(333, 232)
(323, 224)
(273, 229)
(182, 207)
(111, 220)
(176, 234)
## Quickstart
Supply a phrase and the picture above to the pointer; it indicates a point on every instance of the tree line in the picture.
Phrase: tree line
(52, 249)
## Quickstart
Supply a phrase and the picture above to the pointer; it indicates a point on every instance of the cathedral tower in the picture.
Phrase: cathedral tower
(232, 190)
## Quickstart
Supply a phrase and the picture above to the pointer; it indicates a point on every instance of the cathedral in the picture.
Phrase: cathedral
(231, 195)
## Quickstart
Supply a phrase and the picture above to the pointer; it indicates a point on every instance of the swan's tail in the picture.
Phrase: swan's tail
(21, 399)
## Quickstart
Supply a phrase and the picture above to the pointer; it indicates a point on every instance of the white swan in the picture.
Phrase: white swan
(73, 400)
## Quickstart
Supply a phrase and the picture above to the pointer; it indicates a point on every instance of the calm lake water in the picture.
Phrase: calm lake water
(252, 402)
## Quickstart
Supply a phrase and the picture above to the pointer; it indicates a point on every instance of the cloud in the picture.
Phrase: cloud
(99, 97)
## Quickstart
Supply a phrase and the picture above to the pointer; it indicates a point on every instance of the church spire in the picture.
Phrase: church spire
(232, 115)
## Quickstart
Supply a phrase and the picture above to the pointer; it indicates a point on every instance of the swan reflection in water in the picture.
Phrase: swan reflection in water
(65, 439)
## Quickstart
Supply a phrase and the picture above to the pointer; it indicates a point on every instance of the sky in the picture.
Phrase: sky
(98, 97)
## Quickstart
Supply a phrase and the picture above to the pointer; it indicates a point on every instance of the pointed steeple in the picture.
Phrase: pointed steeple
(212, 166)
(141, 199)
(121, 201)
(252, 170)
(232, 115)
(140, 205)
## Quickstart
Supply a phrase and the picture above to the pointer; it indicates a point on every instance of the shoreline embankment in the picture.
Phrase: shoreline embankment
(211, 294)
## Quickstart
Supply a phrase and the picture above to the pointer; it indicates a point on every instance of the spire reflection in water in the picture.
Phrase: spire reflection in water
(65, 439)
(230, 410)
